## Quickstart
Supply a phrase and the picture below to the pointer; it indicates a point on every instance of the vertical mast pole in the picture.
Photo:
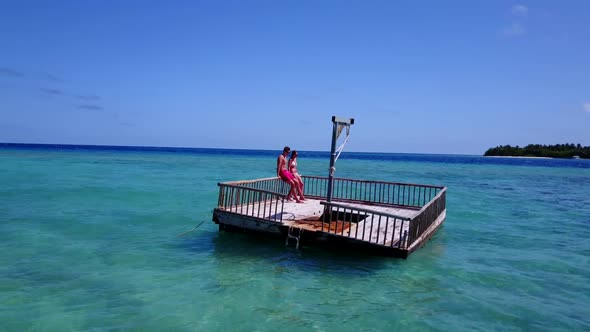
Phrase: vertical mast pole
(332, 160)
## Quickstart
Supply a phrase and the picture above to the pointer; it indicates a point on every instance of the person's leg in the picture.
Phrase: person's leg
(288, 179)
(294, 190)
(293, 193)
(290, 197)
(298, 190)
(300, 182)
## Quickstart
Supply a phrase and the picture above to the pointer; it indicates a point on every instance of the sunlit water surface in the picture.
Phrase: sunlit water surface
(89, 242)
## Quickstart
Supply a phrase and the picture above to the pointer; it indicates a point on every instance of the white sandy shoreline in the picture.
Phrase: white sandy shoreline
(522, 157)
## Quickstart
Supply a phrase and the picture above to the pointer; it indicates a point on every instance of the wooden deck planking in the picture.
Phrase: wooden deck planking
(307, 216)
(381, 232)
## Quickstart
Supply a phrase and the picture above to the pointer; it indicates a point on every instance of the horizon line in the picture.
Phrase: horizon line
(213, 148)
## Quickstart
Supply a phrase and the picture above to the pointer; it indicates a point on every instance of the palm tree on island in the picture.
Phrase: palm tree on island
(570, 150)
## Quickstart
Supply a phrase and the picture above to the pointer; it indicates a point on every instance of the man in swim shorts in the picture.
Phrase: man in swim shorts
(286, 176)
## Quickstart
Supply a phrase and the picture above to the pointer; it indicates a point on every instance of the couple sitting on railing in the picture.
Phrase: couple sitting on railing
(287, 171)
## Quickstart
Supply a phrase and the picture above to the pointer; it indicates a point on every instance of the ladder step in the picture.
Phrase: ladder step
(296, 237)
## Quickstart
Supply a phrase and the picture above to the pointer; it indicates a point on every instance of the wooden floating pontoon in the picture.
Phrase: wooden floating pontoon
(386, 217)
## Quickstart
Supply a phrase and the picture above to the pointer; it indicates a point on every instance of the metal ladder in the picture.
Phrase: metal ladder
(291, 235)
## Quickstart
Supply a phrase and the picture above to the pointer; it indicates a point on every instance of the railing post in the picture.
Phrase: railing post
(220, 199)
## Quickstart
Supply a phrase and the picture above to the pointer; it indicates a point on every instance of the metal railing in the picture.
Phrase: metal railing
(361, 223)
(265, 198)
(372, 192)
(254, 202)
(381, 228)
(269, 184)
(427, 215)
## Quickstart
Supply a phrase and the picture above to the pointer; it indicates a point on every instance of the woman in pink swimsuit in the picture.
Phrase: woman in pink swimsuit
(293, 170)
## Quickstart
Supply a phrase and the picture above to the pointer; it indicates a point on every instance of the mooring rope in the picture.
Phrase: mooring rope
(190, 230)
(341, 147)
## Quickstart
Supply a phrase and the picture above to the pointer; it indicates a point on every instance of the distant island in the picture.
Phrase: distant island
(538, 150)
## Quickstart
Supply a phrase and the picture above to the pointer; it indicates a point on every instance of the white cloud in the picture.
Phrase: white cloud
(586, 107)
(514, 30)
(519, 10)
(518, 16)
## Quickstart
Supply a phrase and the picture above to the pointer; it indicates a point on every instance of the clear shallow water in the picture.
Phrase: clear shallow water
(88, 241)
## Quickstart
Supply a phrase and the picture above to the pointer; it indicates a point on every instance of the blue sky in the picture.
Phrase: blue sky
(418, 76)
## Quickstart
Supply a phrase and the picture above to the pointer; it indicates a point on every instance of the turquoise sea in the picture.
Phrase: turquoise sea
(89, 241)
